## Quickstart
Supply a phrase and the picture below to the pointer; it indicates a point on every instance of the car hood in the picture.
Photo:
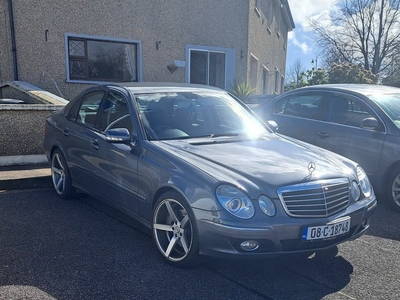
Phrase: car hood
(259, 165)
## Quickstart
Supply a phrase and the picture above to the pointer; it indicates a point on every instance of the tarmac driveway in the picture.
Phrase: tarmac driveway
(82, 249)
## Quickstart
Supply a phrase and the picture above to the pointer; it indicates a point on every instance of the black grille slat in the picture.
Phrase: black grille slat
(315, 199)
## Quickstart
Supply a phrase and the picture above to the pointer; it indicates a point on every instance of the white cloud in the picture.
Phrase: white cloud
(301, 10)
(301, 39)
(305, 48)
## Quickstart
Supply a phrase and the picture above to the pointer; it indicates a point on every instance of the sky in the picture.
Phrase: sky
(300, 41)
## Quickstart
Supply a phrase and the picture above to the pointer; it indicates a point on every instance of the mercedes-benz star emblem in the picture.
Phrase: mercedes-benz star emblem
(311, 167)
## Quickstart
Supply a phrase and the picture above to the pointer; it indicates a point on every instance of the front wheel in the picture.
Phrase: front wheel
(61, 177)
(174, 230)
(393, 192)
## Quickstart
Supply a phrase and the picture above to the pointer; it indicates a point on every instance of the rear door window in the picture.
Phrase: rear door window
(297, 115)
(303, 106)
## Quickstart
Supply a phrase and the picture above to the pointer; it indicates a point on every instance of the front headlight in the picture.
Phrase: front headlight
(364, 183)
(235, 201)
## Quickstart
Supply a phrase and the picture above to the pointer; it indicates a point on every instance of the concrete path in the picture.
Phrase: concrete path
(25, 176)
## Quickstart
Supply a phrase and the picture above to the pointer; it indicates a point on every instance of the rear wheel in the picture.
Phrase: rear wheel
(61, 177)
(174, 230)
(393, 191)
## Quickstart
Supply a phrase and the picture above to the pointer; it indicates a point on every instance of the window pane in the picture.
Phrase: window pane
(77, 68)
(114, 113)
(76, 48)
(198, 67)
(253, 71)
(109, 61)
(217, 69)
(277, 81)
(302, 106)
(89, 108)
(348, 112)
(265, 81)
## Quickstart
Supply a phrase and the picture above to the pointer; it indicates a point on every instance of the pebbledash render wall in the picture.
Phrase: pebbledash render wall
(164, 28)
(22, 128)
(22, 125)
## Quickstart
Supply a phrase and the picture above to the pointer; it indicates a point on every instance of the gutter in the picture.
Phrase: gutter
(14, 45)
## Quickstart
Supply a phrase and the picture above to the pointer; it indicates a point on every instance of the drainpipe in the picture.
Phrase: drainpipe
(14, 45)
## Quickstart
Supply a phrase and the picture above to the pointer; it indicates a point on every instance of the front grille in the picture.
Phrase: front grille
(315, 199)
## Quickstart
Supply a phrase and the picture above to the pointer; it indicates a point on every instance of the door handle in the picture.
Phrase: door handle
(66, 132)
(323, 134)
(95, 144)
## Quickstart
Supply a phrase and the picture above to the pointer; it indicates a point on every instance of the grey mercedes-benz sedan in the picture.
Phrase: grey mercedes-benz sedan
(202, 171)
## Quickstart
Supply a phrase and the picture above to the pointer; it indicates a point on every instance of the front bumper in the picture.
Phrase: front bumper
(218, 238)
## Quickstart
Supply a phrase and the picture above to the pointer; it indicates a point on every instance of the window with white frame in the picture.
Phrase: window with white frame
(253, 71)
(210, 65)
(282, 84)
(94, 59)
(277, 80)
(207, 67)
(265, 80)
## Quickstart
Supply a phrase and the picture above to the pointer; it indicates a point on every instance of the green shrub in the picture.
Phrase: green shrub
(242, 90)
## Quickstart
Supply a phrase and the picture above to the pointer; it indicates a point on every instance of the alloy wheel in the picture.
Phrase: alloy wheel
(58, 173)
(396, 190)
(172, 230)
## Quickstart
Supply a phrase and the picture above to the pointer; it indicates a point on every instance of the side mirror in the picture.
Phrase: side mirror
(370, 123)
(118, 135)
(273, 125)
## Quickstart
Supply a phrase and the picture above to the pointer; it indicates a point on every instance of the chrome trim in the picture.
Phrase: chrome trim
(239, 229)
(315, 199)
(372, 205)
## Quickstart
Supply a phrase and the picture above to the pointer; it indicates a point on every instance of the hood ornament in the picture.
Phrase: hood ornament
(311, 167)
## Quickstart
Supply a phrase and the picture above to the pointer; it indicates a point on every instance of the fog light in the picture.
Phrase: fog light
(249, 245)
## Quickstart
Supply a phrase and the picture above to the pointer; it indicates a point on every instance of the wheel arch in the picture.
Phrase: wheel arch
(388, 173)
(165, 189)
(54, 147)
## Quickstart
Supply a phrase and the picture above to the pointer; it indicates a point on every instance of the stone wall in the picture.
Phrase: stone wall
(22, 128)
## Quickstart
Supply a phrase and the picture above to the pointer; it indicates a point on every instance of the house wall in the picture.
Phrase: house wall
(40, 32)
(268, 31)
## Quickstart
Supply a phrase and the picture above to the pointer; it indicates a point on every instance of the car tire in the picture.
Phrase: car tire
(393, 190)
(174, 231)
(61, 176)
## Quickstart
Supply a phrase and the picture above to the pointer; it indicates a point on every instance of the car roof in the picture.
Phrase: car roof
(153, 87)
(364, 89)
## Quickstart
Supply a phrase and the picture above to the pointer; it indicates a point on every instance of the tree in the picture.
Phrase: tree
(294, 73)
(318, 76)
(310, 77)
(350, 73)
(362, 32)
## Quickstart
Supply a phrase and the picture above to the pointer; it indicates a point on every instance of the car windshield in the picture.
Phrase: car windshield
(182, 115)
(390, 104)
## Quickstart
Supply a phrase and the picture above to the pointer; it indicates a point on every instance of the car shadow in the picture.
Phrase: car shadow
(311, 275)
(298, 276)
(385, 221)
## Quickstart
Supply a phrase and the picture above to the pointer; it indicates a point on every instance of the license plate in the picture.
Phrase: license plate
(332, 229)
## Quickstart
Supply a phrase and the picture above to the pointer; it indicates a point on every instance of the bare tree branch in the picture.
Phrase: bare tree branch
(362, 31)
